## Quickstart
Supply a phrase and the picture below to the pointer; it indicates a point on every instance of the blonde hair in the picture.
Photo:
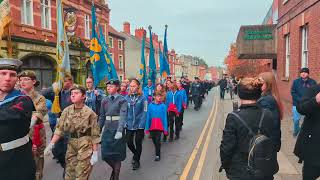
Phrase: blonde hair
(271, 86)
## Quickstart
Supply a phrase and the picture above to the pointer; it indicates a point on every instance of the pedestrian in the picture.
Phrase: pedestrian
(93, 96)
(223, 86)
(124, 88)
(183, 93)
(241, 127)
(80, 122)
(196, 92)
(231, 88)
(307, 147)
(113, 114)
(174, 102)
(298, 88)
(28, 82)
(135, 121)
(271, 100)
(148, 91)
(157, 122)
(16, 159)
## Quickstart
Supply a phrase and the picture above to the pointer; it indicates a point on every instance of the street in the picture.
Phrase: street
(174, 155)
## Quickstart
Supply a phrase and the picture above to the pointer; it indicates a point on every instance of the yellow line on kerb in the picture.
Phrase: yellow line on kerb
(203, 155)
(187, 168)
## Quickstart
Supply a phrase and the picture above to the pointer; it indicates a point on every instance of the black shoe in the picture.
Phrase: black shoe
(170, 139)
(112, 176)
(177, 137)
(157, 158)
(136, 165)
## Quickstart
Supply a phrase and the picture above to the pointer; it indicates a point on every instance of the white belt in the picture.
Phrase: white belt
(112, 118)
(15, 143)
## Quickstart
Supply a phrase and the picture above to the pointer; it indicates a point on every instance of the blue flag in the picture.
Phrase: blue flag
(164, 58)
(152, 61)
(143, 71)
(99, 64)
(112, 72)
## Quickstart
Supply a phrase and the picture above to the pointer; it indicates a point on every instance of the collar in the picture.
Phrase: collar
(13, 93)
(244, 106)
(115, 95)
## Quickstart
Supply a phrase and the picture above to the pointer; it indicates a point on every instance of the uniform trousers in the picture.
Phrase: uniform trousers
(156, 136)
(134, 142)
(310, 171)
(175, 124)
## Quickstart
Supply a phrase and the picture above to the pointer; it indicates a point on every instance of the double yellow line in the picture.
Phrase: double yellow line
(211, 119)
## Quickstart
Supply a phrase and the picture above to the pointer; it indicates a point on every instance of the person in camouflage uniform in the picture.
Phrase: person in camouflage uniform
(81, 122)
(28, 82)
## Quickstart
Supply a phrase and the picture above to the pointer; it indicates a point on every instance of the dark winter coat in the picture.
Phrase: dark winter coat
(267, 101)
(234, 147)
(308, 142)
(299, 86)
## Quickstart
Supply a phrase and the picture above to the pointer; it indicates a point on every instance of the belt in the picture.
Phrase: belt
(15, 143)
(112, 118)
(79, 135)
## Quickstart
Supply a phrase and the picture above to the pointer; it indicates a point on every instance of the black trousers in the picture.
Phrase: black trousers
(310, 172)
(156, 136)
(175, 124)
(222, 92)
(197, 101)
(181, 117)
(134, 142)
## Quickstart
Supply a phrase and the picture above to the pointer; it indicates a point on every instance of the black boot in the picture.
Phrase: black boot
(136, 165)
(112, 175)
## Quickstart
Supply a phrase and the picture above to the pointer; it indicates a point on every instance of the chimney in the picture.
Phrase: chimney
(126, 28)
(154, 37)
(139, 33)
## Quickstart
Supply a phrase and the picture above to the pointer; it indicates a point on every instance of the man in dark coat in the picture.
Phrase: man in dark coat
(223, 85)
(16, 160)
(196, 92)
(308, 142)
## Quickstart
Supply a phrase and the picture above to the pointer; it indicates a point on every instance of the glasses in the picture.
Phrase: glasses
(25, 79)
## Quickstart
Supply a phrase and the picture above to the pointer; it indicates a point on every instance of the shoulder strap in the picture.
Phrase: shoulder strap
(261, 120)
(243, 122)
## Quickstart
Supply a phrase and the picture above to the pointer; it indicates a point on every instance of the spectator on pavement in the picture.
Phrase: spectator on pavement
(298, 89)
(308, 142)
(270, 100)
(223, 85)
(234, 149)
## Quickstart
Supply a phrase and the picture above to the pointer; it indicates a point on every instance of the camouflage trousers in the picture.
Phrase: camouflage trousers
(78, 157)
(39, 160)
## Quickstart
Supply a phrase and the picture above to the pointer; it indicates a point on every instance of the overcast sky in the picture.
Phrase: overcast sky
(203, 28)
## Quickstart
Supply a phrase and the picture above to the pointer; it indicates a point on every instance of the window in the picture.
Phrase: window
(27, 12)
(304, 47)
(120, 62)
(121, 78)
(120, 45)
(45, 14)
(86, 26)
(287, 41)
(111, 42)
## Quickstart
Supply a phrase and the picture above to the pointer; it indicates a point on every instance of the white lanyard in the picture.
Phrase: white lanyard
(173, 93)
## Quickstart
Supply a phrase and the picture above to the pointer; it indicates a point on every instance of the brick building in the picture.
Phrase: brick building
(202, 72)
(31, 36)
(298, 42)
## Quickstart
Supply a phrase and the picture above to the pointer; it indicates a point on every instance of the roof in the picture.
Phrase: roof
(114, 32)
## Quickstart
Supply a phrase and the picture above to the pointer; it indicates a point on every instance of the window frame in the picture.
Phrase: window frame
(43, 8)
(120, 62)
(24, 13)
(304, 46)
(110, 42)
(120, 42)
(87, 26)
(287, 56)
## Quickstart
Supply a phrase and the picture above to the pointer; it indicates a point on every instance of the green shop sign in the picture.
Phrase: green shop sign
(258, 35)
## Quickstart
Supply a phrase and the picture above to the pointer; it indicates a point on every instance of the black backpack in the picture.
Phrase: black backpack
(262, 158)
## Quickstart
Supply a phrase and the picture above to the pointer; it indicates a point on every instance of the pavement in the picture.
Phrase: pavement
(195, 155)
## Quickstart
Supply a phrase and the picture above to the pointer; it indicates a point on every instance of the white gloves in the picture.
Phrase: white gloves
(33, 122)
(94, 158)
(48, 149)
(118, 135)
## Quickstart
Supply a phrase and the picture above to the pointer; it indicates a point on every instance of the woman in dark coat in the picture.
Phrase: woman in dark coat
(113, 113)
(234, 149)
(270, 100)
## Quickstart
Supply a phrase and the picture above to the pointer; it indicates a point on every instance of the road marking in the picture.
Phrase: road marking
(187, 168)
(203, 155)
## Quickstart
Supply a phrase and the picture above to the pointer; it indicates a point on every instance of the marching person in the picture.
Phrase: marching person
(196, 92)
(148, 91)
(174, 102)
(135, 121)
(157, 122)
(16, 159)
(113, 114)
(223, 86)
(81, 123)
(93, 96)
(241, 127)
(124, 89)
(186, 85)
(160, 88)
(183, 93)
(28, 82)
(299, 86)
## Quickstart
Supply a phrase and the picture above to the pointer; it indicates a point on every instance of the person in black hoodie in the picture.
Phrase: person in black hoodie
(308, 142)
(234, 149)
(270, 100)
